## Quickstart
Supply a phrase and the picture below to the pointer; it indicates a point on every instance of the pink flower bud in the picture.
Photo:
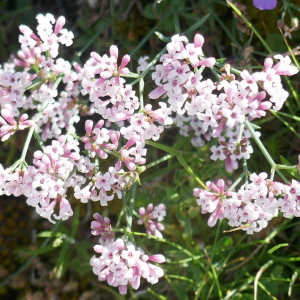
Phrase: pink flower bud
(198, 40)
(7, 115)
(261, 96)
(25, 29)
(125, 61)
(208, 62)
(123, 289)
(96, 57)
(266, 105)
(149, 208)
(160, 226)
(268, 63)
(119, 244)
(142, 211)
(88, 126)
(156, 93)
(77, 67)
(113, 50)
(145, 257)
(158, 258)
(61, 21)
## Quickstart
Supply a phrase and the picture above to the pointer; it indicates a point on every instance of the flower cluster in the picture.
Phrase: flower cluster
(47, 39)
(151, 213)
(226, 103)
(120, 263)
(62, 165)
(117, 126)
(232, 150)
(253, 205)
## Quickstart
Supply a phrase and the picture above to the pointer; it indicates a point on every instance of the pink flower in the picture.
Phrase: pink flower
(121, 264)
(148, 216)
(9, 125)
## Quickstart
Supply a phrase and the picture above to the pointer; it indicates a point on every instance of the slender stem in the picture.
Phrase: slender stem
(232, 70)
(131, 75)
(131, 206)
(141, 85)
(239, 179)
(264, 150)
(180, 278)
(241, 131)
(215, 73)
(272, 174)
(245, 169)
(284, 167)
(38, 137)
(190, 171)
(31, 131)
(164, 158)
(27, 142)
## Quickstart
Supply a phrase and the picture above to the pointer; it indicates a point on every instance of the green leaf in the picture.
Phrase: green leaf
(148, 12)
(277, 247)
(162, 147)
(188, 229)
(62, 261)
(221, 60)
(38, 81)
(57, 242)
(82, 250)
(186, 191)
(45, 234)
(293, 279)
(225, 241)
(180, 290)
(42, 250)
(190, 171)
(196, 25)
(294, 173)
(162, 37)
(276, 43)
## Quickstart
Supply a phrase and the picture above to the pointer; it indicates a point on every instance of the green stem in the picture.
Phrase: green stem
(241, 131)
(158, 161)
(264, 150)
(245, 169)
(38, 137)
(163, 147)
(180, 278)
(141, 85)
(131, 206)
(190, 171)
(239, 179)
(31, 131)
(284, 167)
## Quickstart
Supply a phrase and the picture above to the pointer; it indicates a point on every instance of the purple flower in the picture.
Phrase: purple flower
(265, 4)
